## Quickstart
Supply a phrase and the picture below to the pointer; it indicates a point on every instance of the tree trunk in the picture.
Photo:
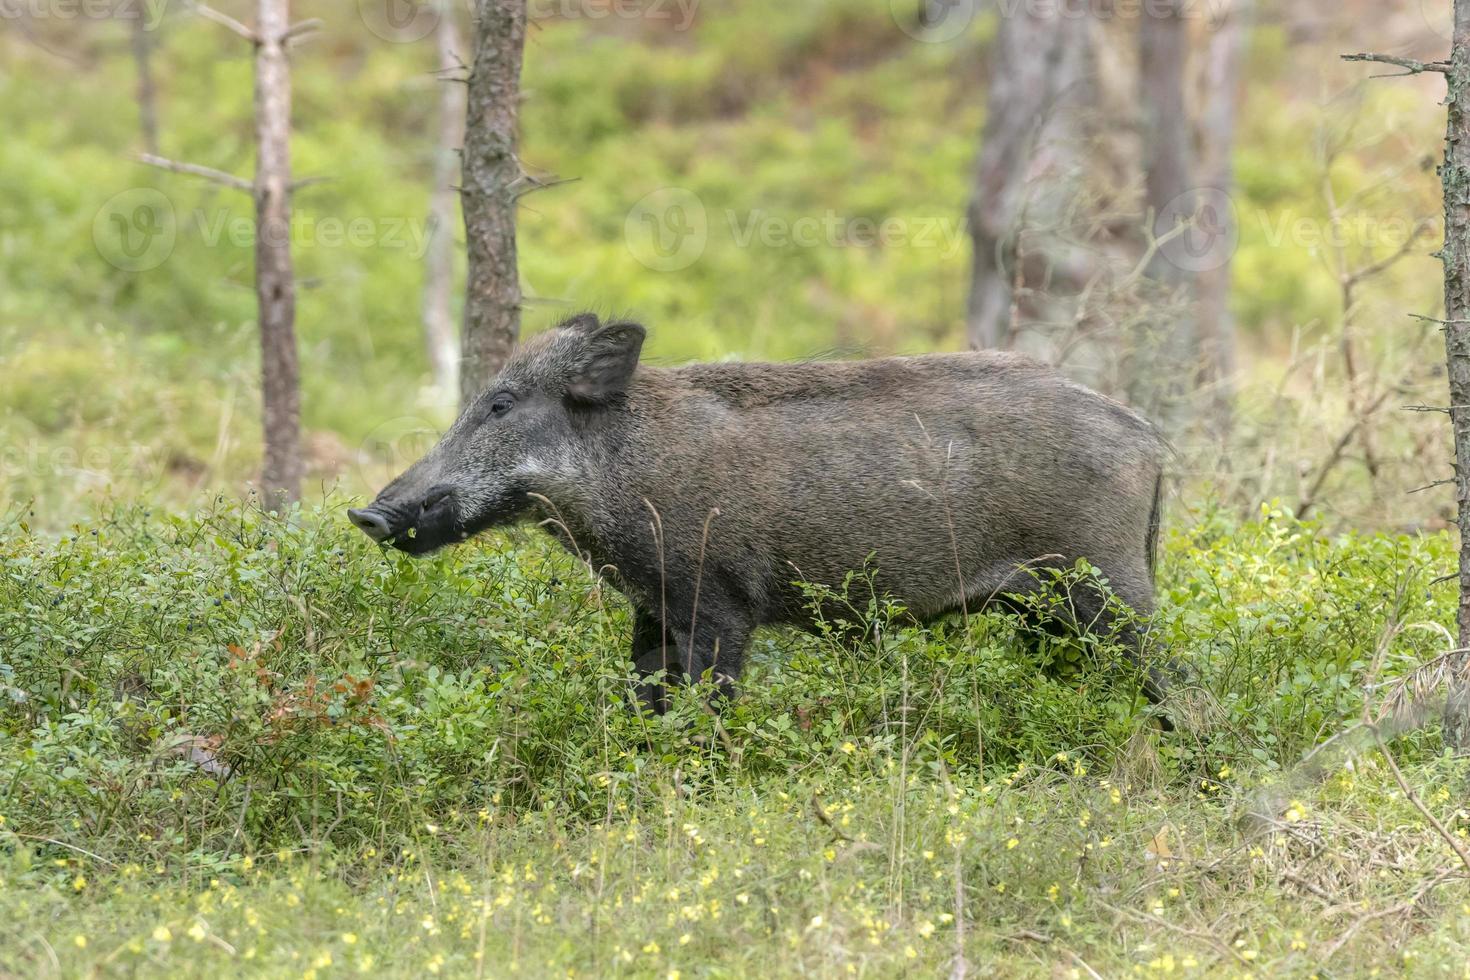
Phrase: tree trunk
(1040, 77)
(147, 93)
(1160, 385)
(1222, 86)
(275, 286)
(440, 335)
(1455, 178)
(491, 172)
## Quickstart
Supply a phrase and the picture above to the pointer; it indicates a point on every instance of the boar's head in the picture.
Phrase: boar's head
(524, 434)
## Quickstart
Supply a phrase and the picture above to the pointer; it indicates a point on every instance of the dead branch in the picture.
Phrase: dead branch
(1408, 905)
(1413, 797)
(1210, 939)
(224, 20)
(826, 820)
(302, 30)
(1409, 65)
(1336, 455)
(535, 184)
(1421, 226)
(194, 169)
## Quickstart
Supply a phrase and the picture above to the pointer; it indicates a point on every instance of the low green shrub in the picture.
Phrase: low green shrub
(193, 688)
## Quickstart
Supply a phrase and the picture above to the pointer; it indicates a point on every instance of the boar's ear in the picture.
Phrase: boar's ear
(581, 323)
(605, 363)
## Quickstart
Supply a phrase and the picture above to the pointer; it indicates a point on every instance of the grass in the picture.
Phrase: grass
(1034, 871)
(235, 743)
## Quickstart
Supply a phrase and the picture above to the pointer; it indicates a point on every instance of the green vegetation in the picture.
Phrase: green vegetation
(229, 738)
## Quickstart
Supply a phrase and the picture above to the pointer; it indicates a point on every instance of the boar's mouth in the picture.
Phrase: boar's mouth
(436, 520)
(415, 526)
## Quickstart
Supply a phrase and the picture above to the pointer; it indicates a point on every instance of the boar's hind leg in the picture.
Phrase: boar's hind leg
(1088, 612)
(1161, 674)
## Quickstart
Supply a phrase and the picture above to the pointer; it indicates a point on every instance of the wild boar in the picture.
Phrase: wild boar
(705, 493)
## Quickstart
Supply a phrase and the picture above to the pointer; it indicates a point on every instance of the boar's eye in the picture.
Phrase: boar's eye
(501, 404)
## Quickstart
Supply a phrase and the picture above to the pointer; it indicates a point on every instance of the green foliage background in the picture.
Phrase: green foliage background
(762, 110)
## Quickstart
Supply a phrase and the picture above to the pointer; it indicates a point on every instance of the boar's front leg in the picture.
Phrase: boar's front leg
(716, 647)
(650, 655)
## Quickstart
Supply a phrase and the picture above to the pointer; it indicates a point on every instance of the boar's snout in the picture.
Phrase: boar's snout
(417, 524)
(371, 522)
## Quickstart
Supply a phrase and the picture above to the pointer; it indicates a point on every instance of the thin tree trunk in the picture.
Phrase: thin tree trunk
(1455, 178)
(275, 285)
(1040, 74)
(489, 185)
(147, 93)
(440, 335)
(1224, 56)
(1168, 182)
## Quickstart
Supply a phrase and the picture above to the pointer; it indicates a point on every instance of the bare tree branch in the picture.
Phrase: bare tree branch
(1410, 66)
(1336, 455)
(302, 30)
(530, 185)
(225, 20)
(1384, 264)
(194, 169)
(305, 182)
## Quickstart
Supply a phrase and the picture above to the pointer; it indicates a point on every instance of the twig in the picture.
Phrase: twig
(1388, 261)
(1306, 885)
(70, 847)
(302, 29)
(1410, 66)
(1437, 321)
(1206, 937)
(1405, 906)
(541, 185)
(1413, 797)
(208, 173)
(225, 20)
(1083, 963)
(826, 820)
(1335, 456)
(305, 182)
